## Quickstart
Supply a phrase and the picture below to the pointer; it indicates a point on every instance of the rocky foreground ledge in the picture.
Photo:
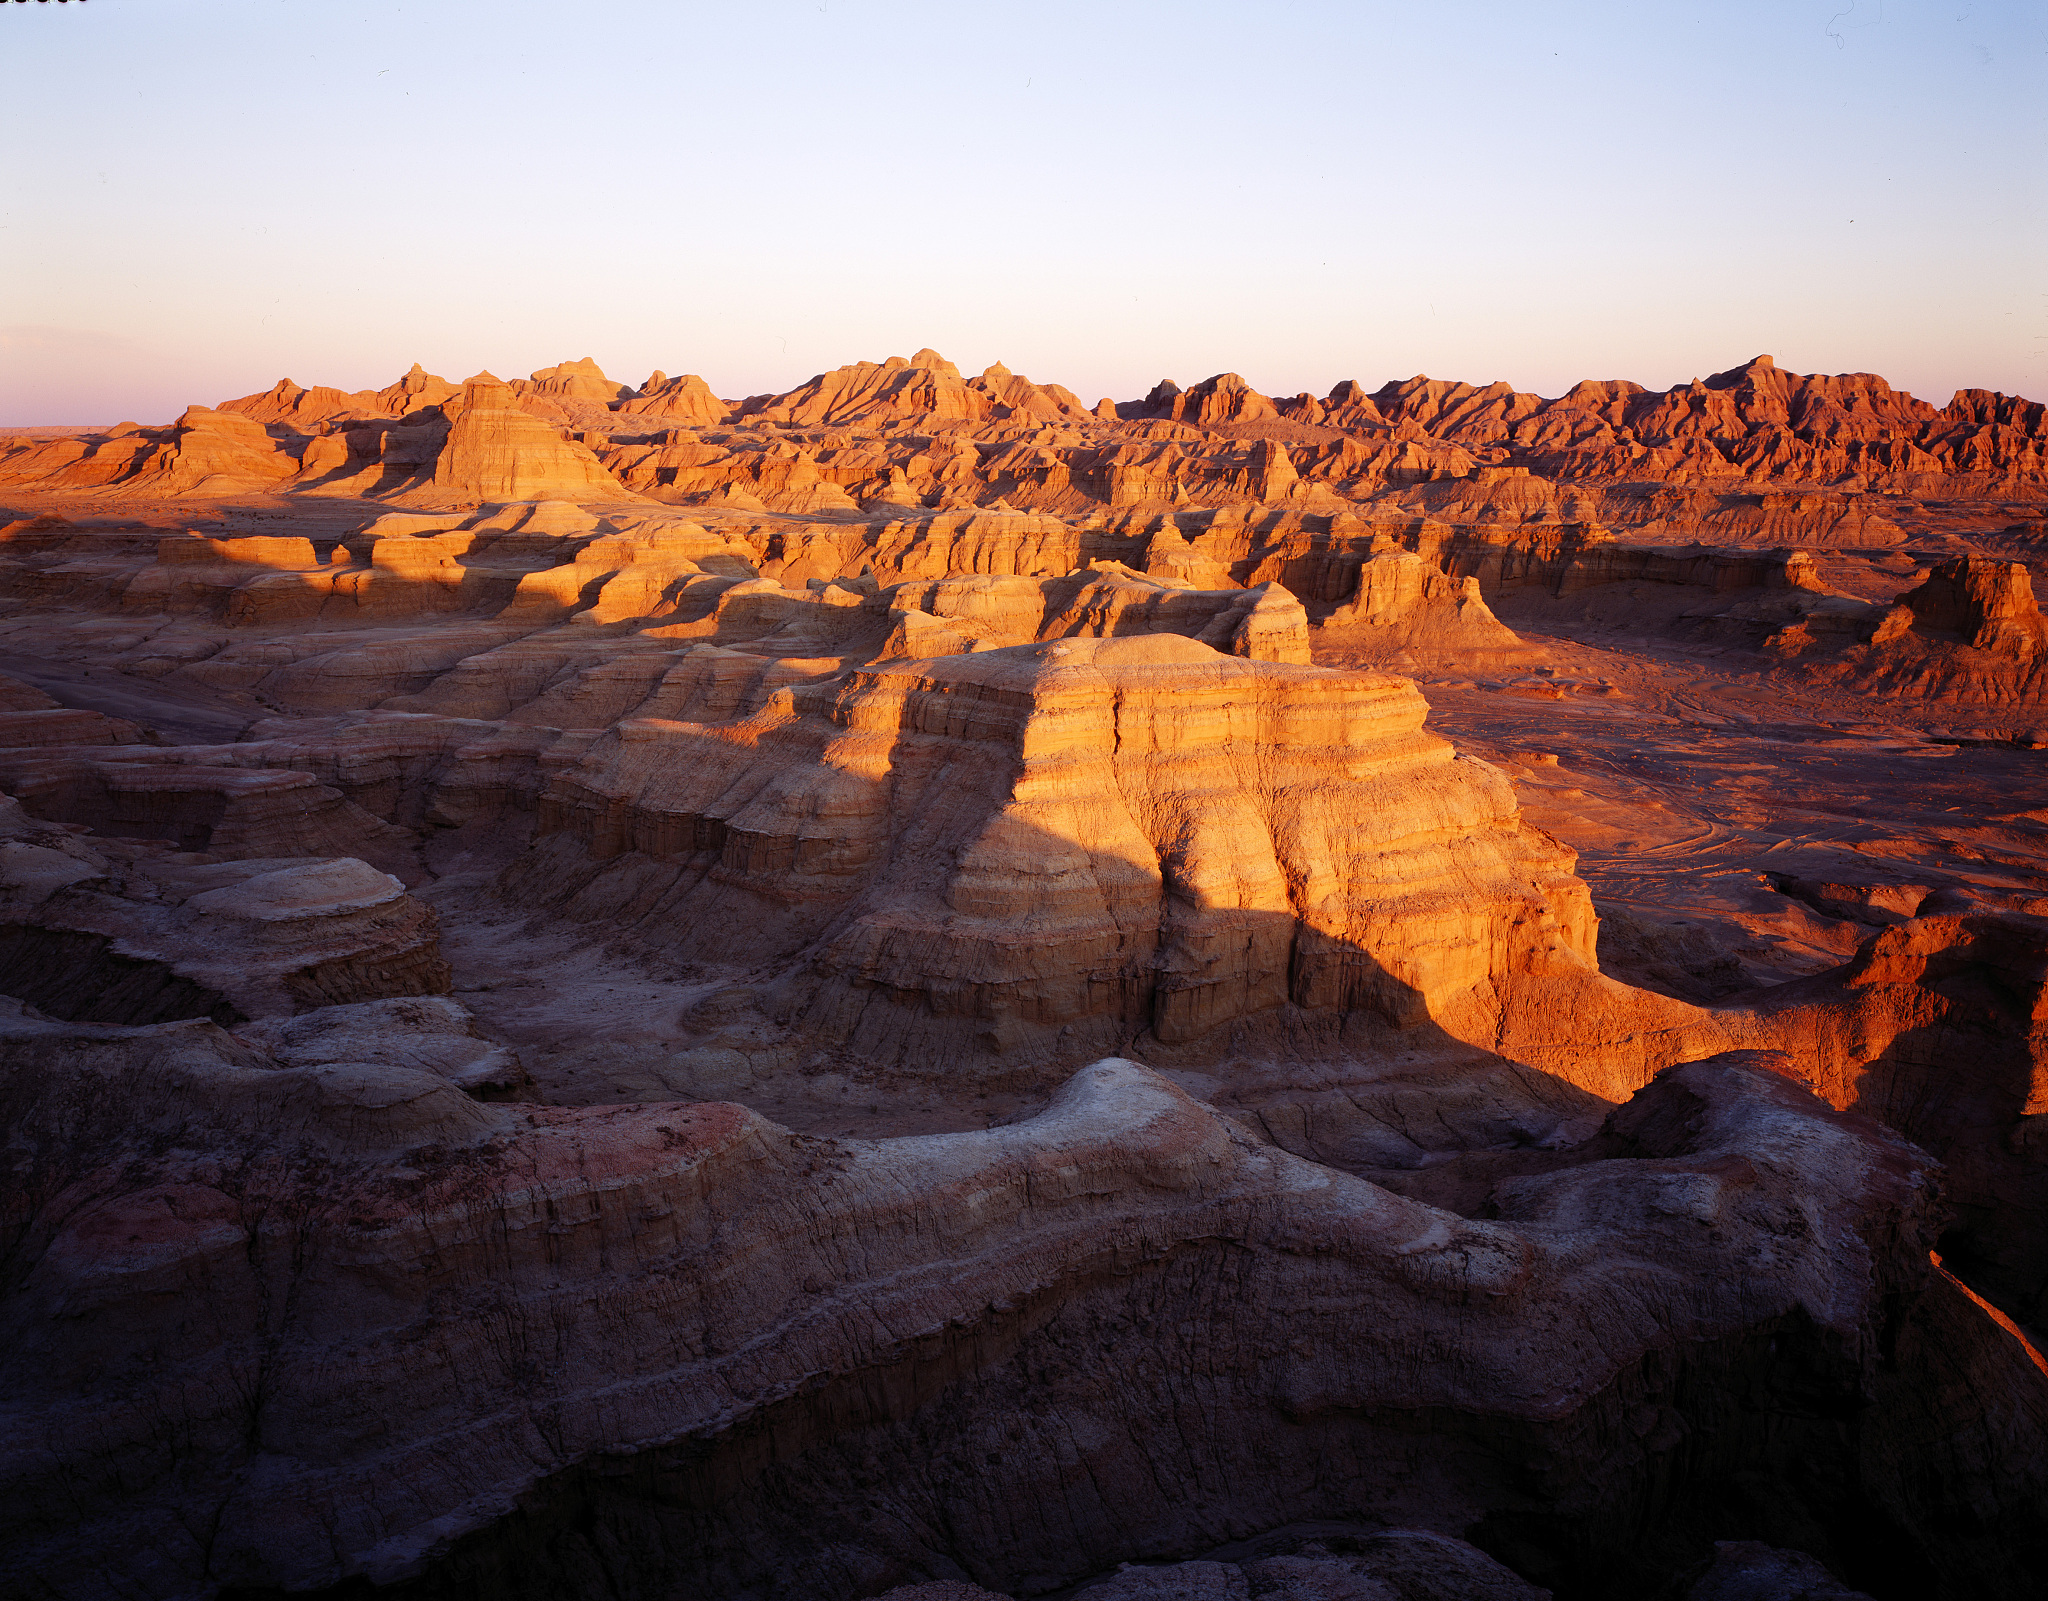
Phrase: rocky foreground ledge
(274, 1328)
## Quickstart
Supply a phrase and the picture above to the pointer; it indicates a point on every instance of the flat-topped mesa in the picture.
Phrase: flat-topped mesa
(1014, 859)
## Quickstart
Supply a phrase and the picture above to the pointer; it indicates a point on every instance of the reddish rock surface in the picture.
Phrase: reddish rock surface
(1429, 992)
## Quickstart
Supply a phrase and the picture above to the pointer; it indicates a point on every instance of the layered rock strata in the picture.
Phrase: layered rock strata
(1406, 608)
(916, 737)
(1970, 633)
(1028, 855)
(118, 933)
(234, 612)
(726, 1361)
(916, 433)
(496, 451)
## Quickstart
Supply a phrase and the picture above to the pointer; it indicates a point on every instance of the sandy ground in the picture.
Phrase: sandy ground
(1689, 785)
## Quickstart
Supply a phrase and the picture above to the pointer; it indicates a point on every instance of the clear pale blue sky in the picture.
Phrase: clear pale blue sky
(203, 195)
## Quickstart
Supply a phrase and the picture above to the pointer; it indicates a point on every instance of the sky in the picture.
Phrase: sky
(206, 195)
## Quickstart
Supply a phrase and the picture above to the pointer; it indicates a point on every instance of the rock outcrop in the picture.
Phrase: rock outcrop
(1988, 604)
(949, 615)
(1753, 453)
(1971, 634)
(927, 387)
(496, 451)
(687, 400)
(1406, 606)
(125, 934)
(1029, 855)
(1939, 1026)
(729, 1361)
(577, 380)
(552, 938)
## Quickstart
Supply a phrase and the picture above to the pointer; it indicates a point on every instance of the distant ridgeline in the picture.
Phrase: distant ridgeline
(896, 436)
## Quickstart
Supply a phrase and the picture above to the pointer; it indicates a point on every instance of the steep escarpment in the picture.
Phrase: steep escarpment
(1031, 854)
(1970, 634)
(1965, 632)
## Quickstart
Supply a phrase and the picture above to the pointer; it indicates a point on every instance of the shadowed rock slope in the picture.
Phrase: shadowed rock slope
(725, 1360)
(613, 993)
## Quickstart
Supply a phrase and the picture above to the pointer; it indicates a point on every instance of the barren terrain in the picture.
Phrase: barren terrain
(1435, 992)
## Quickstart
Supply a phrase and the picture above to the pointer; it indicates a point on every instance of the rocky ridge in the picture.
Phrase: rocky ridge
(580, 957)
(358, 1476)
(915, 433)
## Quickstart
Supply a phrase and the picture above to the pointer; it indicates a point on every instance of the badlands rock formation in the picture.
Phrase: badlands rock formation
(696, 1371)
(917, 986)
(1036, 854)
(914, 432)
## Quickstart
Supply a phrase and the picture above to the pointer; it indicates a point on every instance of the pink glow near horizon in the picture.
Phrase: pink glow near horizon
(1096, 196)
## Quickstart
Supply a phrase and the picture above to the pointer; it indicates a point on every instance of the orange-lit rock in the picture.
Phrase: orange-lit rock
(495, 451)
(912, 930)
(1131, 879)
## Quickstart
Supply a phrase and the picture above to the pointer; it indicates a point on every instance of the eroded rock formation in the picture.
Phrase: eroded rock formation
(805, 1420)
(578, 958)
(134, 935)
(1034, 854)
(915, 432)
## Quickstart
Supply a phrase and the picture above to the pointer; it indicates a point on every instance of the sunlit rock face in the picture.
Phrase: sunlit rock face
(496, 451)
(1784, 453)
(918, 987)
(1027, 855)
